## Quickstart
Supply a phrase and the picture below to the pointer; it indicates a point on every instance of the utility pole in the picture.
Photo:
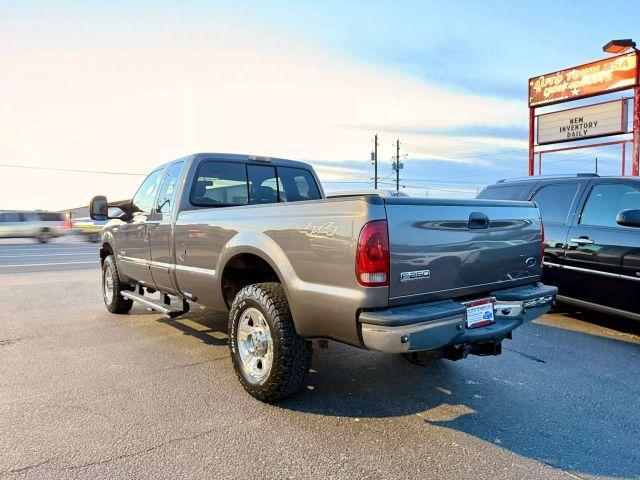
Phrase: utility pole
(596, 165)
(398, 165)
(375, 162)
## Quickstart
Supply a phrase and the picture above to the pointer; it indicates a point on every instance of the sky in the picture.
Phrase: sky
(123, 87)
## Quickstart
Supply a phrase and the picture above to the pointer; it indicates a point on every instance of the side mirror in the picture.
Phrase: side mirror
(99, 208)
(629, 218)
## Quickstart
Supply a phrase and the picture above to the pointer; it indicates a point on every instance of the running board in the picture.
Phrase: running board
(598, 308)
(154, 305)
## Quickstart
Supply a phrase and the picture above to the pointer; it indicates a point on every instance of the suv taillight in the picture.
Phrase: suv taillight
(372, 255)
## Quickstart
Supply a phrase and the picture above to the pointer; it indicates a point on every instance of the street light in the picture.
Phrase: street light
(619, 46)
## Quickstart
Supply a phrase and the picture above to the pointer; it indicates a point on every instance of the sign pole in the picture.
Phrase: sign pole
(635, 160)
(532, 123)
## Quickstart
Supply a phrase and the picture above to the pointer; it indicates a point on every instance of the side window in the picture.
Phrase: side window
(51, 217)
(606, 201)
(555, 201)
(143, 199)
(168, 188)
(11, 217)
(507, 192)
(30, 217)
(219, 184)
(263, 184)
(297, 184)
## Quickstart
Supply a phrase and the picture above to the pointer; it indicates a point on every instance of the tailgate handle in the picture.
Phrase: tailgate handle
(478, 220)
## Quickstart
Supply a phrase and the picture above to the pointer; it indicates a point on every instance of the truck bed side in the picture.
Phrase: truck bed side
(311, 245)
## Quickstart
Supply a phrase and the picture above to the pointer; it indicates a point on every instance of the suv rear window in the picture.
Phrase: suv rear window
(506, 192)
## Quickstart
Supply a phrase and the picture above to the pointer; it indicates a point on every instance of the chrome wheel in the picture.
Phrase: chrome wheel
(255, 345)
(107, 285)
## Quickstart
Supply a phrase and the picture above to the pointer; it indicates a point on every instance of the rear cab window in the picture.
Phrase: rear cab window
(228, 184)
(297, 184)
(263, 184)
(220, 184)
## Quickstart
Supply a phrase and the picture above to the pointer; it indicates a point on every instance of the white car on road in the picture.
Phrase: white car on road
(42, 226)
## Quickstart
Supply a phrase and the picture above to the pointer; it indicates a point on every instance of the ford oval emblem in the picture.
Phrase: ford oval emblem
(531, 262)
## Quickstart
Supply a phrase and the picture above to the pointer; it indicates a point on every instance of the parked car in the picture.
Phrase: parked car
(592, 240)
(256, 236)
(41, 226)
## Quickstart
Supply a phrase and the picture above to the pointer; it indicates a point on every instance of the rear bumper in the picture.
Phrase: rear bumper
(436, 325)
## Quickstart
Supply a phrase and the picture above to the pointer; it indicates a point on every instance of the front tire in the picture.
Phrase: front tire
(112, 287)
(270, 359)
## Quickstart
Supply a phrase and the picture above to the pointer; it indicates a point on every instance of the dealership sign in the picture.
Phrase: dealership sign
(603, 76)
(599, 120)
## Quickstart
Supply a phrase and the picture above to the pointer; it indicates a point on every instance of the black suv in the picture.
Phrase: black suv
(591, 236)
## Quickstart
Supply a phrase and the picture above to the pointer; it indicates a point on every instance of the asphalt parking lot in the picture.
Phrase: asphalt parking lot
(88, 394)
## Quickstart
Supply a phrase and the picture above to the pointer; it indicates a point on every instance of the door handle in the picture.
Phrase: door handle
(582, 241)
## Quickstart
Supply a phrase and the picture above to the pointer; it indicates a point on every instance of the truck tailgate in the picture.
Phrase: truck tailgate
(446, 248)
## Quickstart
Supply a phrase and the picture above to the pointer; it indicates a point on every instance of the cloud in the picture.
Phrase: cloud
(128, 102)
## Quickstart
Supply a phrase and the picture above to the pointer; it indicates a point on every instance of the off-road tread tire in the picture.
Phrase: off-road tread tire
(119, 304)
(291, 352)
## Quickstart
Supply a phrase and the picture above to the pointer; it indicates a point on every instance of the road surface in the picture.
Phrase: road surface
(60, 254)
(88, 394)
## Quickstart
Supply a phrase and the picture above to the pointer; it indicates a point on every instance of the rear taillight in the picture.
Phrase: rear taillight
(372, 255)
(66, 224)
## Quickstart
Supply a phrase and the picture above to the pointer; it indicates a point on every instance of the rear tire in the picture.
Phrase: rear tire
(270, 359)
(43, 236)
(112, 288)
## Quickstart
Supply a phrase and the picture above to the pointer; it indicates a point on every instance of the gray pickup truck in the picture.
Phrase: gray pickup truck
(256, 236)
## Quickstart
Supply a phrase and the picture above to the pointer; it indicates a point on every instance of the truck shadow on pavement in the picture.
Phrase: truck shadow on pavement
(562, 393)
(206, 325)
(577, 413)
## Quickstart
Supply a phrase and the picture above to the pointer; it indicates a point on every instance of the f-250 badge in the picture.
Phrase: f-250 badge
(328, 229)
(415, 275)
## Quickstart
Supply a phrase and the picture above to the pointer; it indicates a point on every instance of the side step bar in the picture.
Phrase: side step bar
(154, 305)
(599, 308)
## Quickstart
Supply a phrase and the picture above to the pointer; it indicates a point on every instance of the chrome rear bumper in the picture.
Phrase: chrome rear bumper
(436, 325)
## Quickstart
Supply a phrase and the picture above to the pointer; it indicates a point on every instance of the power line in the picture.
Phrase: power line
(71, 170)
(422, 187)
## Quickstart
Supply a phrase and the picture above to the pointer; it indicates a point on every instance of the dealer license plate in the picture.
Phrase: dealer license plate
(480, 313)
